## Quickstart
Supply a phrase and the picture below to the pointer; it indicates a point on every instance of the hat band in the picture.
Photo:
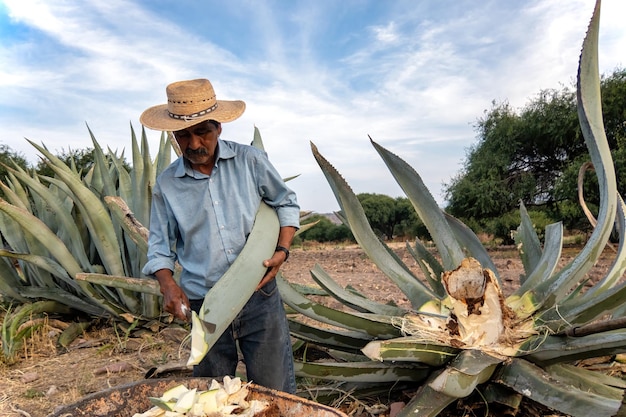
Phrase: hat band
(191, 117)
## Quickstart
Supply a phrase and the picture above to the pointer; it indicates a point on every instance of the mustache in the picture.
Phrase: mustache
(195, 152)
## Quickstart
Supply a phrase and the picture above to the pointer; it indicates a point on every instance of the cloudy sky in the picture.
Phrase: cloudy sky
(414, 75)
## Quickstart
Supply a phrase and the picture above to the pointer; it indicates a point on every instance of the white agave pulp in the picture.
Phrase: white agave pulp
(221, 399)
(199, 346)
(476, 316)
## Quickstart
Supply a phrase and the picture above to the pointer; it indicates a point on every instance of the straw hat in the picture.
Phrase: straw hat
(189, 103)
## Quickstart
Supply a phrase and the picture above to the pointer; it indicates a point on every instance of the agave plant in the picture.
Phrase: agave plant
(59, 227)
(461, 332)
(78, 240)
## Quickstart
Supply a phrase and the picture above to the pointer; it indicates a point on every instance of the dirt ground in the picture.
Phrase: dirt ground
(45, 377)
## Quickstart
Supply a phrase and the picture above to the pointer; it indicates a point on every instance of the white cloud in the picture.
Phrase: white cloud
(413, 76)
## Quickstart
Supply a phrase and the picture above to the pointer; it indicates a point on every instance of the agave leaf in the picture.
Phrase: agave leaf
(556, 349)
(257, 142)
(426, 207)
(471, 245)
(333, 317)
(360, 371)
(495, 393)
(26, 241)
(135, 230)
(527, 243)
(233, 290)
(173, 143)
(304, 227)
(10, 282)
(410, 349)
(547, 263)
(100, 166)
(616, 271)
(457, 380)
(44, 263)
(43, 234)
(417, 293)
(142, 285)
(429, 265)
(348, 298)
(142, 207)
(12, 196)
(604, 297)
(76, 302)
(350, 341)
(63, 217)
(588, 380)
(97, 218)
(124, 186)
(164, 154)
(19, 196)
(540, 386)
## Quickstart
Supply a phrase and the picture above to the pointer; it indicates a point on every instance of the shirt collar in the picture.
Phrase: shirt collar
(225, 150)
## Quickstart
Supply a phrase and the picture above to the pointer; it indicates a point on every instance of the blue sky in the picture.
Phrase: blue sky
(415, 76)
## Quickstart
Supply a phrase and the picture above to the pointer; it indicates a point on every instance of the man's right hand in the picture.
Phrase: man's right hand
(175, 301)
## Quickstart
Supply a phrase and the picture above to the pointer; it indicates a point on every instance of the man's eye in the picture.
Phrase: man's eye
(201, 132)
(182, 135)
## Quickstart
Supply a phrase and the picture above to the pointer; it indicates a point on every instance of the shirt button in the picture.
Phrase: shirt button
(216, 203)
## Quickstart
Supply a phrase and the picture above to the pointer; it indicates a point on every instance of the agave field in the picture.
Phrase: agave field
(77, 243)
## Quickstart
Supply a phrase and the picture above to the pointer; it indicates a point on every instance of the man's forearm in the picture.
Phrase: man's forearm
(285, 236)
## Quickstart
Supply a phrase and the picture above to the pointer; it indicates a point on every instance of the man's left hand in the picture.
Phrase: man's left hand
(273, 265)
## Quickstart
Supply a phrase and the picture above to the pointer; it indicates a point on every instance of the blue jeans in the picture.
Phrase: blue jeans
(262, 331)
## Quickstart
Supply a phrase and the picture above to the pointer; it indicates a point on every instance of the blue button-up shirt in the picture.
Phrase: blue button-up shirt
(203, 221)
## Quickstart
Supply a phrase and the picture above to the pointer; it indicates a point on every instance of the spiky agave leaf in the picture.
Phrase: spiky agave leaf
(490, 329)
(418, 294)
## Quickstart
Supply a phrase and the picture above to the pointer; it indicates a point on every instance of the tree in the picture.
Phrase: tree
(533, 155)
(8, 157)
(391, 217)
(325, 230)
(82, 159)
(380, 211)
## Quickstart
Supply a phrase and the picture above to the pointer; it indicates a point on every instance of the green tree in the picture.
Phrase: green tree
(7, 157)
(325, 230)
(380, 211)
(82, 159)
(533, 155)
(392, 217)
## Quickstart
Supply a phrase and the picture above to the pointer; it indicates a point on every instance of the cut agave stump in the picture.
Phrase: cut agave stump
(126, 400)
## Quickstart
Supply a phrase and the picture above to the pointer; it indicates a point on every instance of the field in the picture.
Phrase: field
(107, 355)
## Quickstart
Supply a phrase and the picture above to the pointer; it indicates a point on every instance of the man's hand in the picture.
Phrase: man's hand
(175, 301)
(273, 265)
(285, 237)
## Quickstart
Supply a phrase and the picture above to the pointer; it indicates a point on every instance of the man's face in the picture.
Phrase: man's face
(198, 142)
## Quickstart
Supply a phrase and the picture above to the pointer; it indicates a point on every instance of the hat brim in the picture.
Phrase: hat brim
(158, 118)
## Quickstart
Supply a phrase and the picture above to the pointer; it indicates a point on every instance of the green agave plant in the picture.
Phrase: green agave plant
(461, 333)
(77, 239)
(59, 227)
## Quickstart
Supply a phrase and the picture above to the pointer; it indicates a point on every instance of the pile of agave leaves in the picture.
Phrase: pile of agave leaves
(79, 239)
(461, 331)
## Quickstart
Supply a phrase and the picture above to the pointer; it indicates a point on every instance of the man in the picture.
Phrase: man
(204, 205)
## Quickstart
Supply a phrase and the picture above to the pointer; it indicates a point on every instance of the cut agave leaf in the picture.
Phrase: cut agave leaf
(233, 290)
(361, 371)
(199, 346)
